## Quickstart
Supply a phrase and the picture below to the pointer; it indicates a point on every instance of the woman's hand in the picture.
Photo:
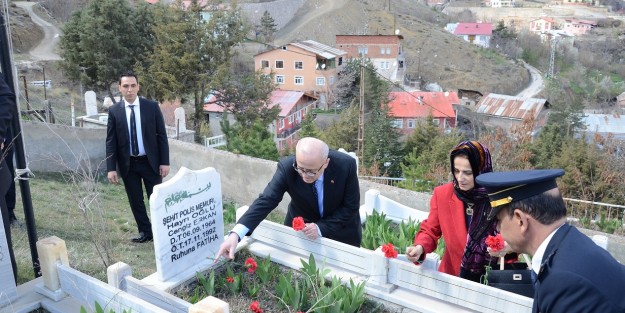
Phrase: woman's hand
(414, 253)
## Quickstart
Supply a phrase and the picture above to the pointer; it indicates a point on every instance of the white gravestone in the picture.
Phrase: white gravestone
(187, 220)
(91, 103)
(180, 119)
(107, 102)
(8, 290)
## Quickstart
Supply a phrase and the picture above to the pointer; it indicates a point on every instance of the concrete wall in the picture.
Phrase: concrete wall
(53, 148)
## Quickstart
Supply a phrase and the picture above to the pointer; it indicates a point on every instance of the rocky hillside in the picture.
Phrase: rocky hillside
(432, 53)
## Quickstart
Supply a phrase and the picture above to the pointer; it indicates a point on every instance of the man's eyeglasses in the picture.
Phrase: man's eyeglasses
(307, 172)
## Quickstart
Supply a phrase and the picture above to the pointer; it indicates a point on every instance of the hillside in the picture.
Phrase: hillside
(438, 56)
(431, 53)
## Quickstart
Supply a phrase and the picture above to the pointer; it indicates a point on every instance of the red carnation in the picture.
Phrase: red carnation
(298, 223)
(230, 279)
(495, 243)
(251, 265)
(255, 307)
(389, 250)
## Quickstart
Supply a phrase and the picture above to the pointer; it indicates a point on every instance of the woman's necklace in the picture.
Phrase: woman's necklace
(469, 209)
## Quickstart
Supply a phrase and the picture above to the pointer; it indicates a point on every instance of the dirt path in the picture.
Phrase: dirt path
(318, 8)
(44, 51)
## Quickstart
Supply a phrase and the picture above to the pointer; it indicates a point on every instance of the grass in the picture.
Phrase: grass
(55, 200)
(57, 213)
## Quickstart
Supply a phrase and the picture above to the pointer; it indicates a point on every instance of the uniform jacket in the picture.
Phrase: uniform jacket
(576, 275)
(341, 201)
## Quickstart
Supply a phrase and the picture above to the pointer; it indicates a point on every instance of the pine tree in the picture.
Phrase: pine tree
(308, 127)
(267, 26)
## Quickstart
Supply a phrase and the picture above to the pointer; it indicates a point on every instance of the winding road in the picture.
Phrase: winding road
(537, 84)
(45, 50)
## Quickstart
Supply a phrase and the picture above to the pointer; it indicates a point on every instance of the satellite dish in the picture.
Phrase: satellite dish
(397, 31)
(323, 66)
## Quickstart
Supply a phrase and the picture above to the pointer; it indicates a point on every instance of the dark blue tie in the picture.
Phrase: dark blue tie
(134, 143)
(534, 279)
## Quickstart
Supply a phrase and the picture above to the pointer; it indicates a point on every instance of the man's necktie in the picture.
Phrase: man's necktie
(534, 277)
(133, 132)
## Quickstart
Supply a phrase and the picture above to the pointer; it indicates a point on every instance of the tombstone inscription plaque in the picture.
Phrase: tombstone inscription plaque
(187, 220)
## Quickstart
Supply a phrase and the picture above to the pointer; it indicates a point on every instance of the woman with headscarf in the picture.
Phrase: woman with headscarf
(458, 213)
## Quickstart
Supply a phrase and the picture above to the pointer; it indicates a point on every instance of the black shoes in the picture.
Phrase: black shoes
(143, 237)
(13, 219)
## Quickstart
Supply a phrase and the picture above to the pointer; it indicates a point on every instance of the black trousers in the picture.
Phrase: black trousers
(5, 182)
(138, 172)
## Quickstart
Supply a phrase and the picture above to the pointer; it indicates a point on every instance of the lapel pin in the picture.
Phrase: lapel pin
(331, 181)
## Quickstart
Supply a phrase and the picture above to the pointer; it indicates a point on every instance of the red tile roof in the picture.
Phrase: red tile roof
(368, 39)
(407, 104)
(474, 29)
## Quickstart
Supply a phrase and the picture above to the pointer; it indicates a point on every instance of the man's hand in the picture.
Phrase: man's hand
(311, 231)
(414, 253)
(228, 247)
(163, 170)
(112, 176)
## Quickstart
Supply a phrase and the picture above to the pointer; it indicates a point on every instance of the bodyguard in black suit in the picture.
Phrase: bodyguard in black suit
(573, 274)
(324, 190)
(136, 144)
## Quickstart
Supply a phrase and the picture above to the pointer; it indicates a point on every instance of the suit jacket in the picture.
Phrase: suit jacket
(8, 110)
(152, 131)
(576, 275)
(446, 217)
(341, 201)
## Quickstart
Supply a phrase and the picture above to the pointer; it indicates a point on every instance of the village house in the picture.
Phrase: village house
(508, 111)
(500, 3)
(612, 125)
(306, 66)
(475, 33)
(542, 24)
(384, 51)
(407, 108)
(294, 105)
(578, 27)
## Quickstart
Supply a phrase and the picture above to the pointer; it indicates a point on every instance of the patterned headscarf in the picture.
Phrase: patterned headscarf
(476, 255)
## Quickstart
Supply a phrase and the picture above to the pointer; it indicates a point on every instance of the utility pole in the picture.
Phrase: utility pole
(361, 114)
(552, 58)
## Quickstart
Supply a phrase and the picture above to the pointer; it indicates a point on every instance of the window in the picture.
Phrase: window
(264, 64)
(331, 80)
(280, 64)
(398, 123)
(281, 123)
(388, 50)
(321, 81)
(299, 65)
(436, 121)
(291, 119)
(299, 80)
(382, 50)
(411, 123)
(298, 116)
(363, 50)
(340, 61)
(280, 79)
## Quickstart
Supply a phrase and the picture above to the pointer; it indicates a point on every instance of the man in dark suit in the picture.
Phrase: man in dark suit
(324, 191)
(8, 109)
(573, 274)
(136, 143)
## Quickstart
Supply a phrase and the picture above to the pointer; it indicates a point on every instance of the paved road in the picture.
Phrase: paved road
(52, 34)
(536, 85)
